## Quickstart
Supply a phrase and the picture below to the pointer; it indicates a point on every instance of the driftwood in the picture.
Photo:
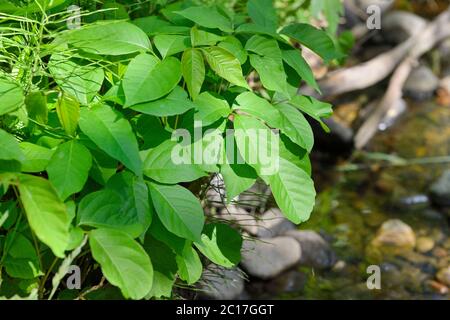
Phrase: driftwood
(435, 32)
(373, 71)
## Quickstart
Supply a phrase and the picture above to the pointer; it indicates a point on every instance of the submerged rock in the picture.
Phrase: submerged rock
(421, 83)
(443, 276)
(267, 258)
(395, 233)
(219, 283)
(440, 190)
(316, 252)
(424, 244)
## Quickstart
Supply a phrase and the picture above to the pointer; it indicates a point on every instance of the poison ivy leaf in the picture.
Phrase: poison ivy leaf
(75, 238)
(110, 209)
(295, 59)
(164, 268)
(36, 157)
(103, 166)
(265, 47)
(176, 102)
(169, 163)
(160, 233)
(257, 144)
(112, 134)
(234, 46)
(271, 73)
(109, 38)
(81, 81)
(221, 244)
(313, 38)
(168, 45)
(294, 154)
(263, 13)
(69, 167)
(124, 262)
(154, 25)
(293, 190)
(21, 260)
(9, 147)
(178, 209)
(225, 65)
(189, 265)
(68, 110)
(11, 96)
(296, 127)
(193, 69)
(314, 108)
(148, 79)
(135, 199)
(237, 178)
(203, 38)
(152, 131)
(208, 17)
(258, 107)
(36, 104)
(46, 213)
(253, 28)
(209, 109)
(116, 11)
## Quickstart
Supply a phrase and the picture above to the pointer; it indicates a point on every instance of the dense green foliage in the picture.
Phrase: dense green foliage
(86, 117)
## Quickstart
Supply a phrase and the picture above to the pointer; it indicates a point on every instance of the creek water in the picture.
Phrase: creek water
(353, 204)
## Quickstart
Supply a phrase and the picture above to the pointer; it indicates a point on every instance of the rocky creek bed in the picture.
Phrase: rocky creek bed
(389, 213)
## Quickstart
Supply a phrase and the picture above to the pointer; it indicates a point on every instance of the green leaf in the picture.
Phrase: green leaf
(160, 164)
(46, 213)
(296, 127)
(258, 107)
(234, 46)
(109, 38)
(168, 44)
(9, 147)
(313, 38)
(295, 154)
(112, 134)
(314, 108)
(11, 96)
(237, 178)
(135, 199)
(271, 72)
(124, 262)
(295, 59)
(154, 25)
(293, 190)
(203, 38)
(69, 167)
(221, 244)
(189, 265)
(159, 232)
(174, 103)
(80, 80)
(209, 109)
(164, 268)
(257, 144)
(193, 69)
(208, 17)
(36, 157)
(68, 110)
(178, 209)
(148, 79)
(265, 47)
(123, 205)
(21, 260)
(36, 104)
(263, 13)
(225, 65)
